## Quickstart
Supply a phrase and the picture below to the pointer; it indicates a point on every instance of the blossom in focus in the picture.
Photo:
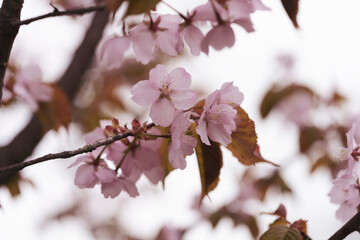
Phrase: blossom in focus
(345, 192)
(181, 144)
(166, 92)
(28, 86)
(217, 120)
(353, 151)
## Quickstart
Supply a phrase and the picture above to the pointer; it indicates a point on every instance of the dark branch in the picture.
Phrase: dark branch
(9, 13)
(57, 13)
(65, 154)
(351, 226)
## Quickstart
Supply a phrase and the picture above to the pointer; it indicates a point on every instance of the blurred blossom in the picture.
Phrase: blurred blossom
(296, 107)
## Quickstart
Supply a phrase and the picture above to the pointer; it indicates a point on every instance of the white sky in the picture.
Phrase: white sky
(328, 56)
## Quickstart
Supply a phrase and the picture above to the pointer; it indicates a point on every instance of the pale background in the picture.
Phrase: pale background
(327, 53)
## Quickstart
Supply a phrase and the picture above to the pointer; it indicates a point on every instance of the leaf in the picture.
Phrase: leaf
(274, 180)
(276, 94)
(210, 163)
(280, 222)
(238, 218)
(308, 136)
(281, 233)
(55, 113)
(291, 8)
(12, 184)
(244, 141)
(140, 6)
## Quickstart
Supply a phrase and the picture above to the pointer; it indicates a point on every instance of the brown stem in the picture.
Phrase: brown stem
(351, 226)
(65, 154)
(57, 13)
(9, 13)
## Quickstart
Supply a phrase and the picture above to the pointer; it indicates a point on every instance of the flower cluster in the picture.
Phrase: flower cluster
(168, 32)
(118, 166)
(346, 186)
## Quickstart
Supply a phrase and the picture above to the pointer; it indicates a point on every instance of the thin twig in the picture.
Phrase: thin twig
(65, 154)
(57, 13)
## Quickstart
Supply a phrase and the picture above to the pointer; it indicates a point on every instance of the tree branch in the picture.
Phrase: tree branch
(57, 13)
(65, 154)
(351, 226)
(9, 13)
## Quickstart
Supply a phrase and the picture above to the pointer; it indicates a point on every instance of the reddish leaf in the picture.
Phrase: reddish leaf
(55, 113)
(291, 8)
(140, 6)
(281, 233)
(276, 94)
(324, 161)
(274, 180)
(210, 163)
(239, 218)
(244, 141)
(308, 136)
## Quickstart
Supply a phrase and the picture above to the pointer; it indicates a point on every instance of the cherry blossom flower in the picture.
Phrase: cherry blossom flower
(345, 192)
(217, 120)
(181, 143)
(112, 51)
(93, 170)
(221, 15)
(28, 86)
(140, 157)
(353, 148)
(161, 31)
(114, 188)
(166, 92)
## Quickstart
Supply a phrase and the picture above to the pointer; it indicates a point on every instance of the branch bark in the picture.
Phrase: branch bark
(57, 13)
(65, 154)
(9, 13)
(25, 142)
(351, 226)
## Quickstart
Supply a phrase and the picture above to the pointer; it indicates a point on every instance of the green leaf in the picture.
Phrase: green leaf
(276, 94)
(291, 8)
(140, 6)
(281, 233)
(210, 163)
(244, 141)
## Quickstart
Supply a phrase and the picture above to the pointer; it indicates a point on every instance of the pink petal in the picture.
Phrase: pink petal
(112, 51)
(111, 189)
(83, 158)
(221, 114)
(205, 12)
(105, 175)
(230, 94)
(180, 78)
(202, 131)
(94, 135)
(258, 5)
(169, 42)
(130, 187)
(143, 43)
(162, 112)
(240, 8)
(159, 75)
(219, 37)
(246, 24)
(146, 158)
(145, 92)
(183, 99)
(85, 177)
(155, 175)
(188, 144)
(220, 133)
(193, 38)
(176, 158)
